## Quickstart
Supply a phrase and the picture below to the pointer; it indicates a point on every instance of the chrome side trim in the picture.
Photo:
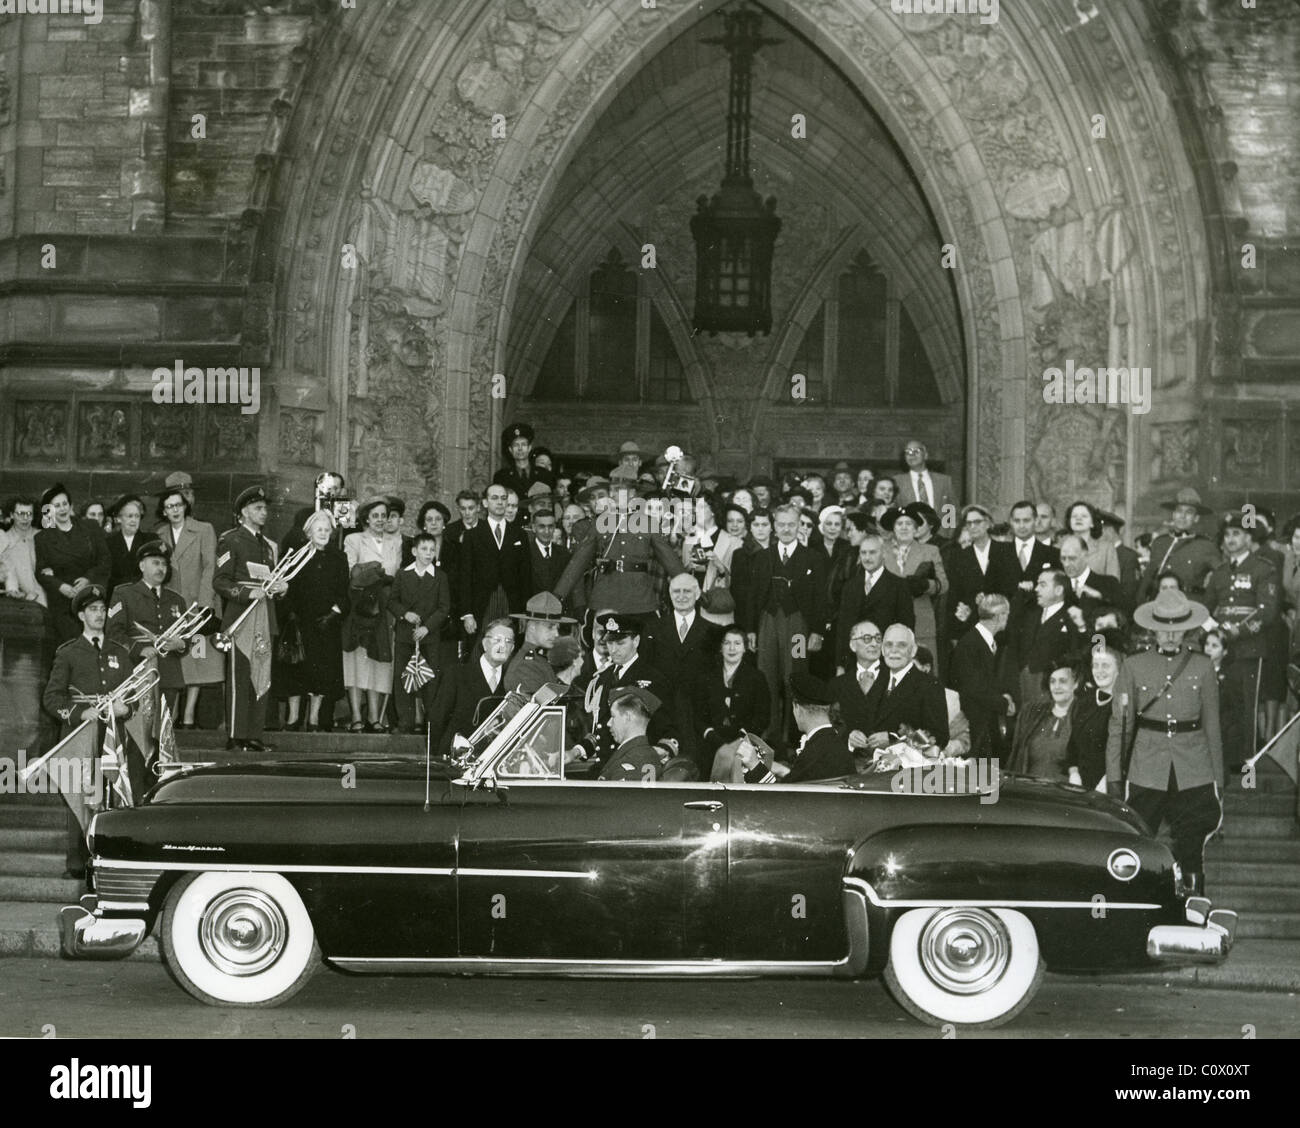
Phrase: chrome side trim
(482, 965)
(436, 871)
(989, 902)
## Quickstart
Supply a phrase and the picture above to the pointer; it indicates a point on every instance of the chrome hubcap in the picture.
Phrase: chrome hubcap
(243, 932)
(965, 951)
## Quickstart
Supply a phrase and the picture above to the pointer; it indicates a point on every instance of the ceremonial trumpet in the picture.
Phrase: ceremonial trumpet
(187, 625)
(283, 572)
(142, 681)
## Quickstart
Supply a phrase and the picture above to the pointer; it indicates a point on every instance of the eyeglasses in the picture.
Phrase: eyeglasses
(865, 638)
(913, 450)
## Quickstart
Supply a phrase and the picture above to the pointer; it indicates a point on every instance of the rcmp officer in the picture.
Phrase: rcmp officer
(519, 473)
(147, 603)
(1243, 594)
(1167, 704)
(1182, 550)
(619, 558)
(88, 664)
(622, 635)
(530, 668)
(236, 550)
(635, 757)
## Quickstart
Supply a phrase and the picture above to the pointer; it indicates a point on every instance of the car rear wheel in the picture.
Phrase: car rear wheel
(971, 967)
(238, 939)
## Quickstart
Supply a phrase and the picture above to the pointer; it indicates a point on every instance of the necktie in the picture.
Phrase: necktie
(1024, 556)
(546, 552)
(993, 647)
(865, 679)
(681, 627)
(495, 679)
(889, 689)
(785, 556)
(496, 532)
(98, 642)
(921, 491)
(869, 584)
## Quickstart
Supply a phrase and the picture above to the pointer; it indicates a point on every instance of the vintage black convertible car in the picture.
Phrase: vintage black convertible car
(499, 862)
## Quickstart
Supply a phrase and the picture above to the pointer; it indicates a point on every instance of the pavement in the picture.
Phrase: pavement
(1253, 965)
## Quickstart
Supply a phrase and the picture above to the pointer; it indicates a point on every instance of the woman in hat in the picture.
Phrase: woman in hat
(127, 512)
(70, 554)
(1090, 725)
(193, 546)
(1042, 746)
(1084, 521)
(919, 564)
(367, 634)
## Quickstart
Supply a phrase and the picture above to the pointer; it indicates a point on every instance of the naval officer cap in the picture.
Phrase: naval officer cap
(810, 690)
(620, 626)
(517, 431)
(91, 593)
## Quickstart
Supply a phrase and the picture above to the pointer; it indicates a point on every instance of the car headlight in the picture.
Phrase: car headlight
(1123, 864)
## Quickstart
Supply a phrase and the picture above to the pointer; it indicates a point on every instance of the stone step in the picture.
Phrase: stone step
(54, 889)
(1269, 776)
(1258, 900)
(31, 838)
(1270, 850)
(15, 815)
(1267, 803)
(1222, 873)
(25, 863)
(1268, 926)
(1239, 827)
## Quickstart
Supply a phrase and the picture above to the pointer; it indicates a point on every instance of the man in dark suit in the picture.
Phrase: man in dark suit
(920, 483)
(1097, 596)
(976, 670)
(678, 643)
(903, 695)
(547, 557)
(622, 635)
(1056, 636)
(874, 593)
(986, 566)
(1032, 555)
(822, 753)
(782, 607)
(248, 666)
(456, 704)
(493, 571)
(851, 687)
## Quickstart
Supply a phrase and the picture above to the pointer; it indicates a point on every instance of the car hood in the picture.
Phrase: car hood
(301, 781)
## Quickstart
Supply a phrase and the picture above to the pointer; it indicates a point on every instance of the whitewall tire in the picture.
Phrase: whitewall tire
(972, 967)
(238, 939)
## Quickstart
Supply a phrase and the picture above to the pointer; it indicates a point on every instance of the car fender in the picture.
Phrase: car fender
(1085, 916)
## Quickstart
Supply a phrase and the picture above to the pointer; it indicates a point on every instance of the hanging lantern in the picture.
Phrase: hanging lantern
(735, 231)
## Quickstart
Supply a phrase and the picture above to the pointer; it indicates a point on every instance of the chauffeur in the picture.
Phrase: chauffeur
(631, 708)
(1167, 703)
(1243, 594)
(248, 672)
(89, 664)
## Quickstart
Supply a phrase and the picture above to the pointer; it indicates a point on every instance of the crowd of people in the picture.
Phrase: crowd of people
(703, 626)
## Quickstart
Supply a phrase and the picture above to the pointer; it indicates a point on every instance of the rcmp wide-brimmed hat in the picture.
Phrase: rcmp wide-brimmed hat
(88, 595)
(1188, 496)
(718, 607)
(151, 548)
(648, 701)
(250, 495)
(629, 447)
(589, 490)
(1171, 611)
(543, 608)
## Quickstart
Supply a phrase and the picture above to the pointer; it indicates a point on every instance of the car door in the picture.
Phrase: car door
(549, 868)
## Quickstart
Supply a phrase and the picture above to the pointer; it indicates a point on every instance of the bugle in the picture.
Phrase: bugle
(139, 682)
(282, 573)
(189, 623)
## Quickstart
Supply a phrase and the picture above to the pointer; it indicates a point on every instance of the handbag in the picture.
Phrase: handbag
(288, 647)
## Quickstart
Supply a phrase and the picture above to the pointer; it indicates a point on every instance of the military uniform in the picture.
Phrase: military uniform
(638, 673)
(623, 580)
(1190, 556)
(1167, 705)
(82, 667)
(1244, 598)
(635, 758)
(137, 605)
(529, 670)
(237, 548)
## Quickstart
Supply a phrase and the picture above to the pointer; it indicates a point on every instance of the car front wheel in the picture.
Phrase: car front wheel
(238, 939)
(971, 967)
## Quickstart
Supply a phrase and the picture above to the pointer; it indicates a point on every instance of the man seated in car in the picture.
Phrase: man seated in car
(822, 754)
(630, 710)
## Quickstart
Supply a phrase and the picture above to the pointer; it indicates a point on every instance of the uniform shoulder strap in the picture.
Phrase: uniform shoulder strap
(1178, 672)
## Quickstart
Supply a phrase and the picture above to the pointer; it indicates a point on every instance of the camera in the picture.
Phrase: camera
(332, 494)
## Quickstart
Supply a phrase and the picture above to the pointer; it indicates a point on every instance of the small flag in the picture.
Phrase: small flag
(166, 737)
(70, 768)
(417, 674)
(113, 759)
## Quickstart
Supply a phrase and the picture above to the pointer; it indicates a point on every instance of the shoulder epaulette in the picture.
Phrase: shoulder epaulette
(68, 642)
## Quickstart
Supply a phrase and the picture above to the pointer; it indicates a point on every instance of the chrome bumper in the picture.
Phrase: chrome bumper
(1205, 938)
(86, 935)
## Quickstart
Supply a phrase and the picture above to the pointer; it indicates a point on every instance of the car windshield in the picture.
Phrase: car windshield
(480, 740)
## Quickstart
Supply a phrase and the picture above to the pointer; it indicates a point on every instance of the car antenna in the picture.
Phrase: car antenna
(428, 756)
